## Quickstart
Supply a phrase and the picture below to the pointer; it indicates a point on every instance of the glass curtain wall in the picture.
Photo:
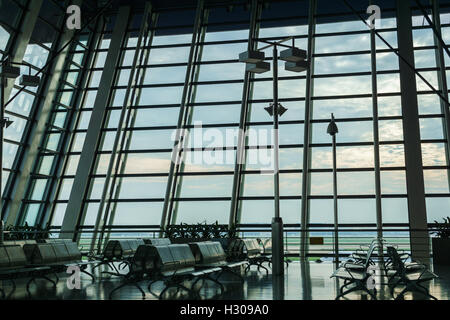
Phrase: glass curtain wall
(342, 85)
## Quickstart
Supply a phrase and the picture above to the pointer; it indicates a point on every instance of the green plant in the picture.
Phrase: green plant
(201, 231)
(442, 229)
(170, 231)
(26, 232)
(205, 231)
(232, 231)
(217, 230)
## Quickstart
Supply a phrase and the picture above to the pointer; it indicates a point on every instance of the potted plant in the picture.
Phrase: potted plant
(185, 233)
(441, 243)
(27, 232)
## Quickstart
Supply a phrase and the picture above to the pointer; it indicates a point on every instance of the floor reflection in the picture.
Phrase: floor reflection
(303, 280)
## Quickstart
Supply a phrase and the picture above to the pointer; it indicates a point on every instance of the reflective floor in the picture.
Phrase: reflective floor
(302, 281)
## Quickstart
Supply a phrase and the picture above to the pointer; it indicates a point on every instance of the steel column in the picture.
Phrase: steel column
(173, 208)
(306, 183)
(111, 188)
(74, 214)
(419, 238)
(180, 132)
(16, 53)
(60, 163)
(376, 138)
(335, 202)
(238, 178)
(35, 130)
(19, 46)
(442, 81)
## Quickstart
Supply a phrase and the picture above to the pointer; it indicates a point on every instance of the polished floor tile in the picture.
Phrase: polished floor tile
(302, 281)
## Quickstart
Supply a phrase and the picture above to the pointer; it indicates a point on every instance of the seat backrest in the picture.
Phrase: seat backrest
(73, 250)
(367, 259)
(267, 245)
(186, 253)
(144, 259)
(157, 241)
(182, 255)
(208, 255)
(257, 246)
(397, 262)
(196, 248)
(4, 258)
(54, 240)
(61, 253)
(108, 251)
(39, 253)
(139, 242)
(216, 251)
(252, 247)
(17, 258)
(164, 260)
(220, 250)
(133, 245)
(123, 249)
(238, 247)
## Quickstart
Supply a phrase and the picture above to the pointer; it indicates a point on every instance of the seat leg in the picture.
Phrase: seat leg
(427, 292)
(356, 288)
(3, 293)
(89, 274)
(50, 280)
(28, 286)
(346, 284)
(162, 292)
(260, 265)
(233, 273)
(140, 289)
(401, 295)
(222, 288)
(12, 291)
(149, 287)
(189, 291)
(117, 288)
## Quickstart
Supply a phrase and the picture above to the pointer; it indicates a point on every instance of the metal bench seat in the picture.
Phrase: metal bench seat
(356, 274)
(157, 241)
(14, 265)
(410, 275)
(58, 256)
(18, 242)
(121, 251)
(345, 273)
(253, 253)
(172, 264)
(211, 255)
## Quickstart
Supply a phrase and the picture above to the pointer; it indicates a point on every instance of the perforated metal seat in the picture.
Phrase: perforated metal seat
(157, 241)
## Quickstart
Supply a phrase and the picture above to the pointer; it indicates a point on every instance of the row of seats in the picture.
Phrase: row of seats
(12, 256)
(175, 263)
(51, 253)
(123, 249)
(249, 248)
(27, 258)
(207, 253)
